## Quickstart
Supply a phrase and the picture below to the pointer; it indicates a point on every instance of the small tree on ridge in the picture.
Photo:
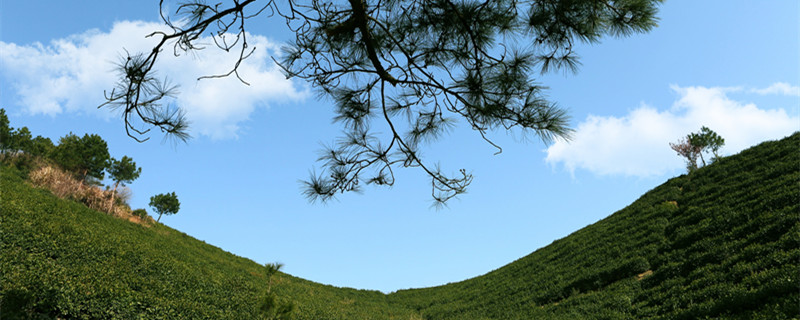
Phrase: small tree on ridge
(707, 140)
(165, 203)
(694, 144)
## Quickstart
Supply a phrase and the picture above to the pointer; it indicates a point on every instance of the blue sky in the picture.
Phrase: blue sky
(730, 65)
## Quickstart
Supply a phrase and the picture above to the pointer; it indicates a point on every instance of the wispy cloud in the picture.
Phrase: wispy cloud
(781, 88)
(70, 75)
(637, 144)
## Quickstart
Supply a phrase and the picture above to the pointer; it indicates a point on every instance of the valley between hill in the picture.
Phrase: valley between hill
(722, 242)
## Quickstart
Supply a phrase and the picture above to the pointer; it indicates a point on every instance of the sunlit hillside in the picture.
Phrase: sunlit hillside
(722, 242)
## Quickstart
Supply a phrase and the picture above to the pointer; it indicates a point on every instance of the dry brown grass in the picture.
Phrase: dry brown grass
(63, 185)
(673, 203)
(58, 182)
(644, 275)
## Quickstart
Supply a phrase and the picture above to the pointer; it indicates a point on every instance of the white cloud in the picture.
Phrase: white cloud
(70, 75)
(637, 144)
(782, 88)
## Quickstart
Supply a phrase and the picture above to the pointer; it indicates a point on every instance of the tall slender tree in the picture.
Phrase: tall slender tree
(122, 172)
(412, 68)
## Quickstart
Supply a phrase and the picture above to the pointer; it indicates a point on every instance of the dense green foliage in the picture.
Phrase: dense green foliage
(87, 156)
(123, 171)
(722, 242)
(41, 147)
(13, 141)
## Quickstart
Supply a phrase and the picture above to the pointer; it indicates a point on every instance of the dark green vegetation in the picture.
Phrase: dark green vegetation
(723, 242)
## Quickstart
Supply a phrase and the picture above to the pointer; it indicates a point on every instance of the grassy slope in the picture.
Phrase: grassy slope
(724, 241)
(60, 259)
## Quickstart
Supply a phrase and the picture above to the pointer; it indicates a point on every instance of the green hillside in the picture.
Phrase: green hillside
(721, 242)
(62, 260)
